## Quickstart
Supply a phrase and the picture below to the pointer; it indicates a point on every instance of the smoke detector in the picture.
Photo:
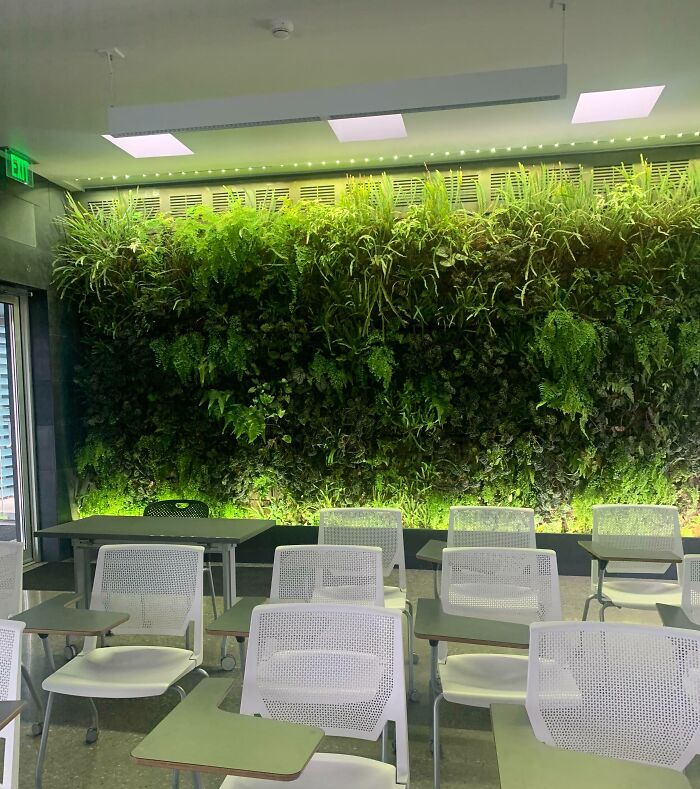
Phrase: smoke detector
(282, 28)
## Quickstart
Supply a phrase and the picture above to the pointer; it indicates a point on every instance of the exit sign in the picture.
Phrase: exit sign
(18, 167)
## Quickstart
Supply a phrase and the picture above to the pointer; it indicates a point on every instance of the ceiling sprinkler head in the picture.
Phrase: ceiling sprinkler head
(282, 28)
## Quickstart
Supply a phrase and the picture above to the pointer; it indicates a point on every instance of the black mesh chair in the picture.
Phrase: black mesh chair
(184, 508)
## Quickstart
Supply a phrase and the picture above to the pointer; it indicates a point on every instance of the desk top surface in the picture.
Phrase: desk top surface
(9, 710)
(675, 616)
(607, 553)
(434, 624)
(53, 617)
(235, 621)
(526, 763)
(199, 736)
(154, 529)
(432, 551)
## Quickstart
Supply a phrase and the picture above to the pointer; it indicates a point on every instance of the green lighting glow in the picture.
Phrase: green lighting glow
(18, 167)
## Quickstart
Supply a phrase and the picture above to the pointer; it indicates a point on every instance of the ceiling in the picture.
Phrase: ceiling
(55, 87)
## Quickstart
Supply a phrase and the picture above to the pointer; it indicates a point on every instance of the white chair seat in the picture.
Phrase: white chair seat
(394, 597)
(126, 672)
(326, 770)
(642, 593)
(482, 680)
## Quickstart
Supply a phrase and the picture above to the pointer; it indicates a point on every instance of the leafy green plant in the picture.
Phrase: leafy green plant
(541, 351)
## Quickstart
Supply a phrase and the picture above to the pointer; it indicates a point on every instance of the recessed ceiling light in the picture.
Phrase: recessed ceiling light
(493, 150)
(149, 146)
(616, 105)
(461, 153)
(372, 127)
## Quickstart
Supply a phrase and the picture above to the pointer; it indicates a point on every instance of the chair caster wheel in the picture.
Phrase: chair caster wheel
(37, 728)
(69, 651)
(91, 736)
(228, 663)
(416, 659)
(414, 697)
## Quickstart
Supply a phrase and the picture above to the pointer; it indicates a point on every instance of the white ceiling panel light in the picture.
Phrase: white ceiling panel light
(511, 86)
(616, 105)
(149, 146)
(370, 127)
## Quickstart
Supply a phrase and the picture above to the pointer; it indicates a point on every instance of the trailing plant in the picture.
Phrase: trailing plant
(542, 351)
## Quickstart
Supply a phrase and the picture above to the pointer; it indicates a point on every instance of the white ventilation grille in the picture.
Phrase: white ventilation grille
(96, 207)
(407, 191)
(371, 185)
(608, 176)
(147, 206)
(565, 173)
(462, 187)
(222, 201)
(318, 193)
(271, 199)
(179, 204)
(669, 172)
(510, 181)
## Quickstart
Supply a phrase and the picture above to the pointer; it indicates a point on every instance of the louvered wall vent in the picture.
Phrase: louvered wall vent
(97, 206)
(371, 185)
(511, 180)
(148, 206)
(462, 187)
(569, 173)
(318, 193)
(671, 172)
(271, 199)
(608, 176)
(180, 203)
(407, 191)
(221, 201)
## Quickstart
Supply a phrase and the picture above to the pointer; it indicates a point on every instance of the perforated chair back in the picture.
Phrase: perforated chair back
(624, 691)
(507, 584)
(10, 663)
(491, 527)
(690, 586)
(11, 556)
(177, 508)
(159, 586)
(337, 667)
(648, 527)
(372, 526)
(328, 574)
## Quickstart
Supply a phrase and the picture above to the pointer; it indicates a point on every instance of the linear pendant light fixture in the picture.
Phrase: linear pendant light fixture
(489, 88)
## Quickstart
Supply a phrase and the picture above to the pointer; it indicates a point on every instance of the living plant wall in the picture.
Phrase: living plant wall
(542, 351)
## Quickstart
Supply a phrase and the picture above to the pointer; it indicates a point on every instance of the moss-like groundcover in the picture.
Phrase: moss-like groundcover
(543, 351)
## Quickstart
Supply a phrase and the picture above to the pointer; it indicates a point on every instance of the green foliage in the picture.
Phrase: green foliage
(543, 351)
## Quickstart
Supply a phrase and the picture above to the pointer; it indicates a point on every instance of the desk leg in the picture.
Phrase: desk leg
(81, 571)
(433, 683)
(436, 589)
(242, 652)
(228, 561)
(605, 602)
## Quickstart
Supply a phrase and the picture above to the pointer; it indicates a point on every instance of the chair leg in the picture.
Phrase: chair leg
(44, 739)
(197, 781)
(93, 731)
(211, 588)
(436, 741)
(385, 743)
(412, 692)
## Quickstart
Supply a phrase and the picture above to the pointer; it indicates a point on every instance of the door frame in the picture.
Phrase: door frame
(27, 500)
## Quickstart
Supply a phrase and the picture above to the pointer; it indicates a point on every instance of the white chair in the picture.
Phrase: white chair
(518, 585)
(491, 527)
(381, 528)
(647, 527)
(338, 667)
(11, 561)
(623, 691)
(10, 690)
(690, 587)
(160, 587)
(328, 574)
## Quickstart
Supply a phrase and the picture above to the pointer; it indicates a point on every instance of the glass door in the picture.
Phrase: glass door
(16, 456)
